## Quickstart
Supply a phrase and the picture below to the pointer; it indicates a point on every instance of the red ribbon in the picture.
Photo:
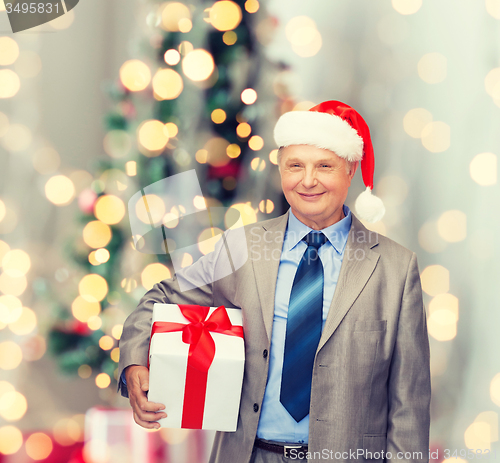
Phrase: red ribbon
(201, 354)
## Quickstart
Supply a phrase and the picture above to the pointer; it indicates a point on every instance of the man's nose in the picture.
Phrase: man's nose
(309, 180)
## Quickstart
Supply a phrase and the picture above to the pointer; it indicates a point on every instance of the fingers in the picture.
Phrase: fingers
(146, 424)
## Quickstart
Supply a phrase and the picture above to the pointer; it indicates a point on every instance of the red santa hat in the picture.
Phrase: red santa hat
(337, 127)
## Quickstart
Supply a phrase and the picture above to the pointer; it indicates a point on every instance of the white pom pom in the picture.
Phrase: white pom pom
(369, 207)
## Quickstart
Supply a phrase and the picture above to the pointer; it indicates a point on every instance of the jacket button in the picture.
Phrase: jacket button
(264, 354)
(255, 408)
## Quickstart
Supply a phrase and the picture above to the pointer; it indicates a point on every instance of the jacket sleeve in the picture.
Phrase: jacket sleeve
(134, 342)
(409, 391)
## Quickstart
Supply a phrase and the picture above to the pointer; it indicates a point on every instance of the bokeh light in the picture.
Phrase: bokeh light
(495, 389)
(13, 285)
(432, 68)
(25, 324)
(96, 234)
(258, 164)
(13, 406)
(436, 137)
(256, 143)
(115, 354)
(492, 83)
(247, 213)
(406, 6)
(117, 331)
(117, 143)
(9, 51)
(131, 168)
(28, 65)
(94, 323)
(106, 342)
(154, 273)
(39, 446)
(230, 38)
(109, 209)
(218, 116)
(150, 208)
(452, 226)
(170, 129)
(198, 65)
(67, 431)
(483, 169)
(93, 287)
(266, 206)
(83, 310)
(252, 6)
(9, 83)
(273, 157)
(233, 150)
(415, 120)
(172, 57)
(17, 137)
(167, 84)
(303, 35)
(249, 96)
(442, 325)
(16, 262)
(135, 75)
(46, 160)
(60, 190)
(152, 136)
(216, 148)
(10, 309)
(207, 239)
(174, 17)
(11, 440)
(243, 130)
(225, 15)
(187, 260)
(493, 8)
(102, 380)
(435, 280)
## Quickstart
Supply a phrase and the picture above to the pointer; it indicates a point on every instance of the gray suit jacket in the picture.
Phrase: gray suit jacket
(371, 378)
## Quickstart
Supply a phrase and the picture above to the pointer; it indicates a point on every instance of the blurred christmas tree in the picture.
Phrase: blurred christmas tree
(191, 101)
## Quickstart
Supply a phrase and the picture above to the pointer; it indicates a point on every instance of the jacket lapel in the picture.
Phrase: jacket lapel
(357, 266)
(266, 253)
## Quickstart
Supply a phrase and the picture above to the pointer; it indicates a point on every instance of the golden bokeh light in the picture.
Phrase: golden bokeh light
(247, 213)
(483, 169)
(444, 301)
(230, 38)
(11, 440)
(109, 209)
(67, 431)
(46, 160)
(415, 120)
(171, 129)
(478, 436)
(102, 380)
(94, 323)
(243, 130)
(9, 83)
(218, 116)
(170, 220)
(258, 164)
(93, 287)
(216, 148)
(432, 68)
(172, 57)
(233, 150)
(207, 239)
(5, 387)
(185, 47)
(117, 143)
(154, 273)
(435, 280)
(174, 17)
(436, 137)
(4, 247)
(201, 156)
(16, 262)
(9, 51)
(60, 190)
(266, 206)
(39, 446)
(84, 372)
(199, 202)
(225, 15)
(273, 157)
(452, 226)
(17, 138)
(492, 83)
(167, 84)
(96, 234)
(11, 309)
(198, 65)
(25, 324)
(152, 136)
(252, 6)
(302, 33)
(429, 239)
(115, 354)
(106, 342)
(249, 96)
(150, 209)
(117, 331)
(407, 6)
(135, 75)
(14, 286)
(13, 406)
(442, 325)
(187, 260)
(83, 310)
(495, 389)
(256, 143)
(102, 255)
(493, 8)
(131, 168)
(185, 25)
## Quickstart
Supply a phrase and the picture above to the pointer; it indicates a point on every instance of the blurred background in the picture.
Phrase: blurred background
(113, 96)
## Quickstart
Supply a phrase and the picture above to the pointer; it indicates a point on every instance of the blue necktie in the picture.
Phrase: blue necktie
(303, 329)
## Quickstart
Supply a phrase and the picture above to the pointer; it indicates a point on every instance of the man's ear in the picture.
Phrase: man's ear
(354, 167)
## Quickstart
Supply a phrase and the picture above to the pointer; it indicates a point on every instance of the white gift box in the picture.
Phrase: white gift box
(168, 358)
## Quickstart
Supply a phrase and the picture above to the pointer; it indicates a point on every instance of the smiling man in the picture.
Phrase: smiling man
(337, 354)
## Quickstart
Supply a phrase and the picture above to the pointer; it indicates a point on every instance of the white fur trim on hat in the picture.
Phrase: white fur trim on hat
(322, 130)
(369, 207)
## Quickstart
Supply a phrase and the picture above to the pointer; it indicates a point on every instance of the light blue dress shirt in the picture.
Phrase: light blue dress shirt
(275, 422)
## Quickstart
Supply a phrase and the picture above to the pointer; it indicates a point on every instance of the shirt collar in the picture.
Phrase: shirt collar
(336, 233)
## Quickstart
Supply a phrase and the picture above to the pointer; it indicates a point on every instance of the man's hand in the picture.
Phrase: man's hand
(145, 413)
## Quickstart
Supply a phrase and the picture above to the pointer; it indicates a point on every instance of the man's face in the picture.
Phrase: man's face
(315, 183)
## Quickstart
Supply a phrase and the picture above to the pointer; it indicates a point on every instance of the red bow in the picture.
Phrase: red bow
(201, 354)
